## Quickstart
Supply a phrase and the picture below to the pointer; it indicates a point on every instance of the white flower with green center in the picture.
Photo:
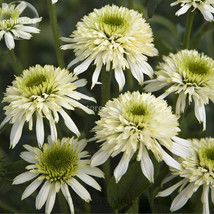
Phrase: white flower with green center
(116, 37)
(206, 7)
(12, 24)
(43, 92)
(197, 171)
(190, 75)
(58, 165)
(135, 123)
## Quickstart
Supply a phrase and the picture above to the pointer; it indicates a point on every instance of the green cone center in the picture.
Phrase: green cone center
(198, 68)
(206, 156)
(35, 80)
(59, 162)
(113, 21)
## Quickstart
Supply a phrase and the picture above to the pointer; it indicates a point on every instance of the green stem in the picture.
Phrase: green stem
(106, 95)
(54, 25)
(62, 203)
(129, 79)
(16, 64)
(189, 22)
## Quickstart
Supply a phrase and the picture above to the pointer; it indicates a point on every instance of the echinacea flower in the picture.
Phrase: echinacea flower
(206, 7)
(43, 92)
(58, 165)
(138, 123)
(116, 37)
(190, 75)
(197, 171)
(13, 25)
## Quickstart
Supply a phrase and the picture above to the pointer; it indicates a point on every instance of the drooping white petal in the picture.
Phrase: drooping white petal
(95, 75)
(205, 199)
(40, 129)
(53, 130)
(79, 189)
(67, 196)
(183, 9)
(171, 189)
(16, 132)
(89, 180)
(182, 198)
(147, 165)
(69, 122)
(122, 167)
(9, 40)
(83, 66)
(51, 200)
(43, 194)
(21, 7)
(99, 158)
(171, 161)
(24, 177)
(29, 157)
(120, 78)
(31, 188)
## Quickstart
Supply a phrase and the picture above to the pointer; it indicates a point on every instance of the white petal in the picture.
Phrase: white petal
(205, 199)
(76, 60)
(39, 129)
(181, 199)
(67, 195)
(212, 195)
(181, 150)
(16, 132)
(92, 171)
(170, 161)
(6, 119)
(43, 194)
(147, 165)
(77, 96)
(21, 7)
(122, 167)
(29, 157)
(53, 130)
(69, 122)
(95, 75)
(31, 188)
(9, 41)
(183, 10)
(79, 189)
(99, 158)
(200, 113)
(120, 78)
(89, 180)
(29, 29)
(169, 190)
(24, 177)
(54, 1)
(51, 200)
(138, 74)
(146, 68)
(83, 66)
(206, 14)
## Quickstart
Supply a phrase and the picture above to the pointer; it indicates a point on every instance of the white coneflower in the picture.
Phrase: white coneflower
(136, 123)
(43, 92)
(13, 25)
(197, 170)
(205, 6)
(58, 165)
(188, 74)
(116, 37)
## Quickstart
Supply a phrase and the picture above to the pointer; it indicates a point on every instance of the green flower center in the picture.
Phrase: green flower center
(113, 21)
(36, 80)
(5, 16)
(198, 68)
(136, 112)
(206, 156)
(58, 162)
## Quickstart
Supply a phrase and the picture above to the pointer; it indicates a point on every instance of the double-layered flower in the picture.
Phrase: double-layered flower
(43, 93)
(136, 123)
(115, 37)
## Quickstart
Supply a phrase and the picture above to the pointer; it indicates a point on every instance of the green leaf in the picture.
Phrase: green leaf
(152, 5)
(131, 186)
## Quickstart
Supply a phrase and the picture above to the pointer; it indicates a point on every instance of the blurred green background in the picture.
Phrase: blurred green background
(168, 37)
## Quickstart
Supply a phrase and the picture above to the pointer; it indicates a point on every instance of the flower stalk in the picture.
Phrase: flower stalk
(54, 25)
(16, 65)
(189, 22)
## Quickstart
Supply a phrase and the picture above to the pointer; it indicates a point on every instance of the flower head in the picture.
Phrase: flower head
(205, 6)
(12, 24)
(197, 170)
(135, 123)
(42, 92)
(58, 165)
(116, 37)
(188, 74)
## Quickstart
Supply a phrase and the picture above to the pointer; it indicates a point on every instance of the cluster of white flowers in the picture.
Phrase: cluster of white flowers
(133, 124)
